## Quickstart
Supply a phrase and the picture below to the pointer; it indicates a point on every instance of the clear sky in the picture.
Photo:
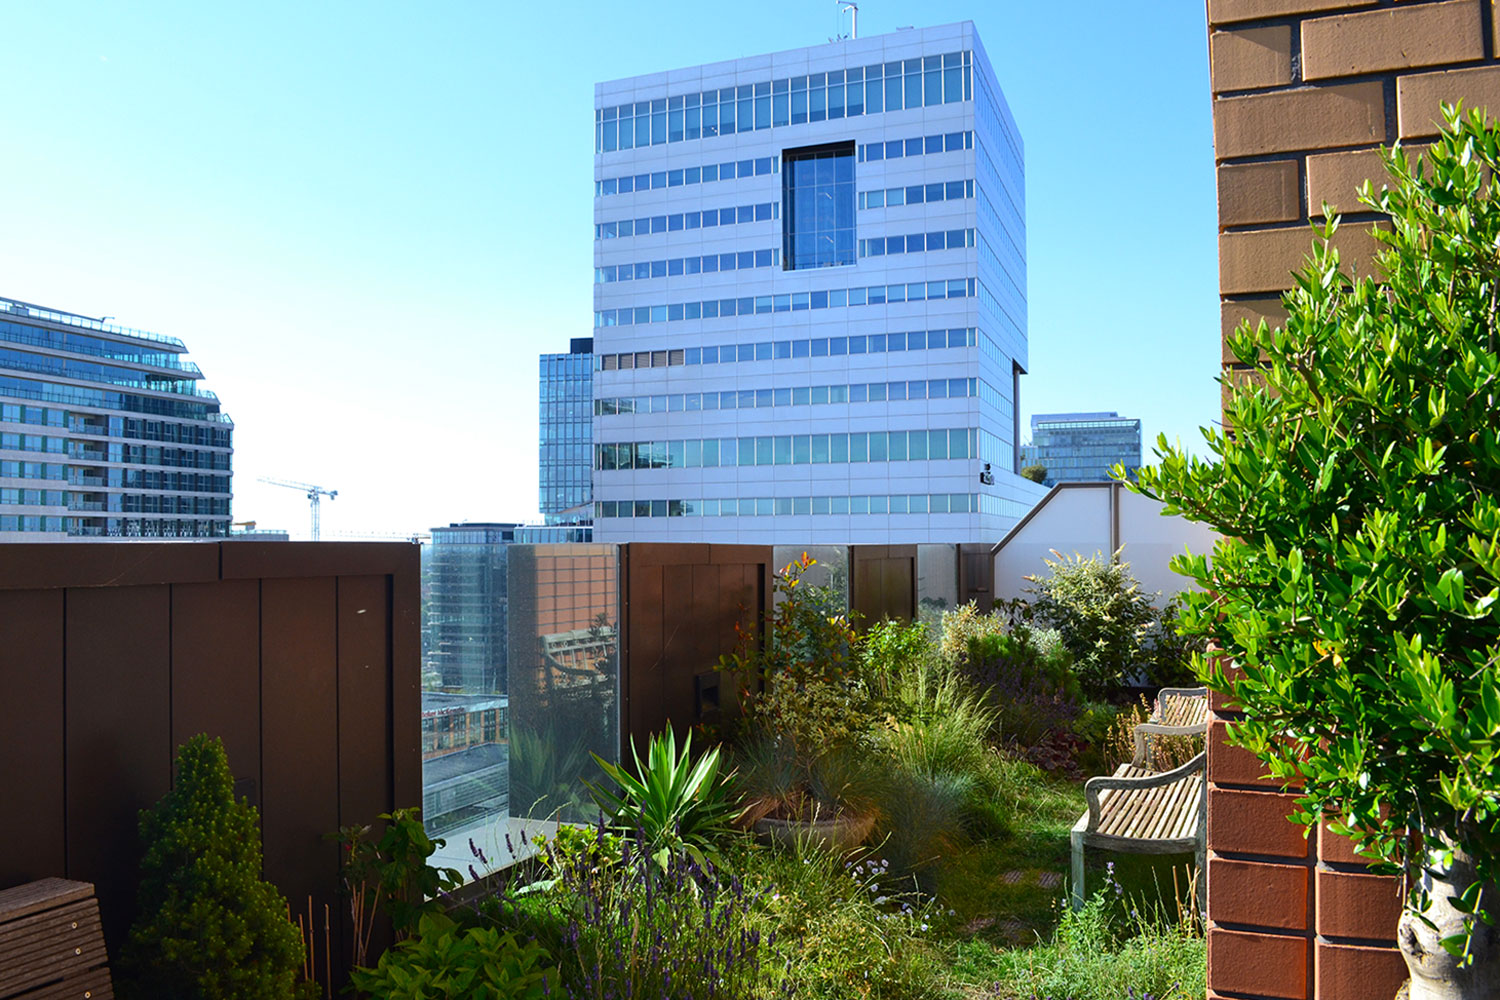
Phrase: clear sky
(367, 220)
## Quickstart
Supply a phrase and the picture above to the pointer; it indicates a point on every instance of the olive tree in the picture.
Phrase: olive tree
(1353, 596)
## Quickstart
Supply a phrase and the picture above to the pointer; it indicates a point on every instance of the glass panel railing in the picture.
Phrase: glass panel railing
(520, 689)
(937, 582)
(830, 569)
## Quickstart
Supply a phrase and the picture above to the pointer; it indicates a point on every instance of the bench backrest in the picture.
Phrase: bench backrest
(50, 936)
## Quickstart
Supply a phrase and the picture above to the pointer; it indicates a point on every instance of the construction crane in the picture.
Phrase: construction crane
(314, 494)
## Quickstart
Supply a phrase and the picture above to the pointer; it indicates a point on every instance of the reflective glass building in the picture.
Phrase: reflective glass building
(1083, 447)
(565, 420)
(104, 433)
(810, 297)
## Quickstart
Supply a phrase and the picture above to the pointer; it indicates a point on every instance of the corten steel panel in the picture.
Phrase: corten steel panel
(681, 604)
(406, 676)
(645, 652)
(364, 698)
(216, 672)
(299, 737)
(266, 560)
(119, 735)
(106, 564)
(31, 735)
(883, 583)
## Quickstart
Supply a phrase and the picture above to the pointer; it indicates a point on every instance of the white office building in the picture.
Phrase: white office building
(810, 298)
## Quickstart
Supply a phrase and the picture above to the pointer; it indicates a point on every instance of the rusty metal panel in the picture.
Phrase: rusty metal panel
(216, 672)
(364, 698)
(49, 565)
(883, 582)
(31, 734)
(119, 735)
(299, 737)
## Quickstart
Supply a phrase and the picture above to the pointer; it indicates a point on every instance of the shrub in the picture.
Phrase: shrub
(1101, 615)
(391, 873)
(1356, 580)
(1034, 692)
(209, 926)
(964, 623)
(443, 961)
(1035, 473)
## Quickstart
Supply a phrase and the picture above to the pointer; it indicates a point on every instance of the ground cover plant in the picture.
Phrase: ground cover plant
(1355, 590)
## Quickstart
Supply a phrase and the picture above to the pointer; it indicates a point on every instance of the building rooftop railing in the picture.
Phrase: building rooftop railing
(186, 367)
(18, 308)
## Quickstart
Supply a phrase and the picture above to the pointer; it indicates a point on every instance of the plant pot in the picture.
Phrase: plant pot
(1435, 974)
(843, 833)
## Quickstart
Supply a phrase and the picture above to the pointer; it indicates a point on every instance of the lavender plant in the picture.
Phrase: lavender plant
(632, 928)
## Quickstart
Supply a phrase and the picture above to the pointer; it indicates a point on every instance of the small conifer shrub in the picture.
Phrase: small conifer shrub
(208, 925)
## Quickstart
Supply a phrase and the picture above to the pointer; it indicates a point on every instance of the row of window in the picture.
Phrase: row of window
(841, 93)
(707, 264)
(136, 454)
(889, 246)
(144, 479)
(916, 194)
(33, 498)
(816, 347)
(105, 399)
(802, 395)
(116, 527)
(707, 173)
(901, 503)
(116, 503)
(834, 298)
(32, 470)
(40, 336)
(10, 441)
(707, 219)
(789, 449)
(91, 371)
(921, 145)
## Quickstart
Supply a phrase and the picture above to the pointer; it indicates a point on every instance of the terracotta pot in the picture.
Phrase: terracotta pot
(843, 833)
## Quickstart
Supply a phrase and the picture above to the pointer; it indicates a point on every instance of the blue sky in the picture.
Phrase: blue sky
(367, 220)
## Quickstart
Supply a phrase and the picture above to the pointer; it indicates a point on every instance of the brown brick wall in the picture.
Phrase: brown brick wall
(1304, 93)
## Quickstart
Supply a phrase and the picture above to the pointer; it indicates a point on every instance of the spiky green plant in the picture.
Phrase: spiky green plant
(676, 803)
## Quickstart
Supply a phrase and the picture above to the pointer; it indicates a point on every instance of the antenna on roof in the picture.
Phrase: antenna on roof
(853, 9)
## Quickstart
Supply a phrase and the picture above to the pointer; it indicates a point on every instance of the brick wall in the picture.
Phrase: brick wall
(1304, 91)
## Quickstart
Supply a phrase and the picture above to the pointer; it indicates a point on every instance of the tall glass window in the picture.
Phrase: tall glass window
(818, 206)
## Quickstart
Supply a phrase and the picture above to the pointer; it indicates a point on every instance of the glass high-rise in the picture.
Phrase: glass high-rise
(104, 433)
(1083, 447)
(565, 421)
(810, 297)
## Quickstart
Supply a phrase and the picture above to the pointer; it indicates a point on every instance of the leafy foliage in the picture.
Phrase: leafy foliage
(1359, 499)
(677, 804)
(208, 926)
(391, 872)
(1035, 473)
(1098, 609)
(441, 960)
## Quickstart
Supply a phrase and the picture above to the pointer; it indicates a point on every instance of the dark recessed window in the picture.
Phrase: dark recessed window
(818, 206)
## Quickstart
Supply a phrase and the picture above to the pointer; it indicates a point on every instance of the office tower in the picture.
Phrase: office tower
(1082, 447)
(104, 433)
(810, 298)
(566, 424)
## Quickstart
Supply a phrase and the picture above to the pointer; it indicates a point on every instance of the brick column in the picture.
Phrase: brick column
(1304, 92)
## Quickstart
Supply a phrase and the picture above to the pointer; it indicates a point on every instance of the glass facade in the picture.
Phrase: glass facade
(818, 205)
(1082, 447)
(737, 388)
(520, 686)
(566, 402)
(115, 419)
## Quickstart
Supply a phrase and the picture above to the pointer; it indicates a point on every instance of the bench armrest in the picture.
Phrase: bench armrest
(1094, 786)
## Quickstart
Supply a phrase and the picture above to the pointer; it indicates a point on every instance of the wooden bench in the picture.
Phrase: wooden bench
(1142, 811)
(1179, 712)
(51, 943)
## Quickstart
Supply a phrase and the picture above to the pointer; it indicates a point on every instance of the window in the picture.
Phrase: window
(818, 206)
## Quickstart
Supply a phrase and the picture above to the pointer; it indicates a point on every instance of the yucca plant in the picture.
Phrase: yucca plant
(675, 804)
